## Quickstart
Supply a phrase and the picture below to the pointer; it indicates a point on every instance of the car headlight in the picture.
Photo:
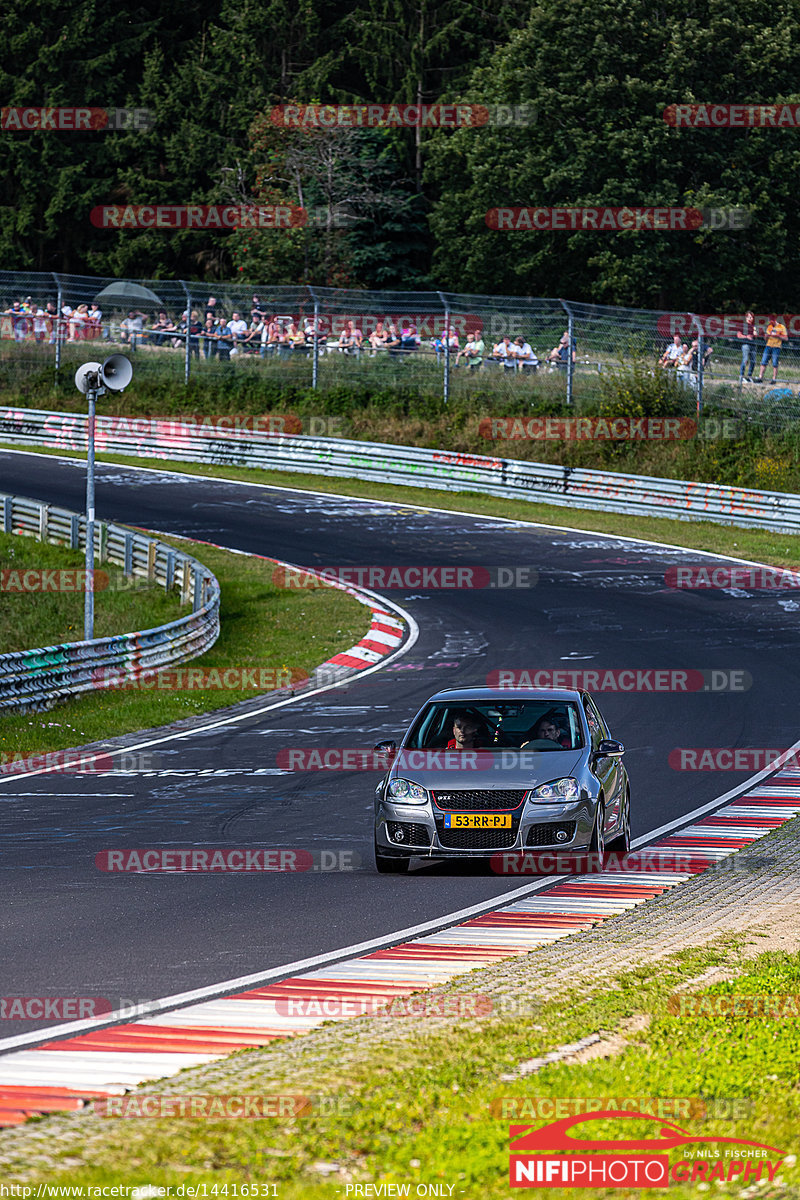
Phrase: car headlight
(559, 789)
(407, 791)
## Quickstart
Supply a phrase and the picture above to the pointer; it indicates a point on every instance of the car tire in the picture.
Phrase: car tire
(622, 842)
(598, 842)
(386, 865)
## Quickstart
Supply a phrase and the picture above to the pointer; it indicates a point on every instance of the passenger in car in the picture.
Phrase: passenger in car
(549, 728)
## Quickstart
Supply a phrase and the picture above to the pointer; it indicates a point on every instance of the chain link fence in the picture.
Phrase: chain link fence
(524, 349)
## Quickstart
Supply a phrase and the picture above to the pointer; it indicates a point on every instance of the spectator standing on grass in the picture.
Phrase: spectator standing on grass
(209, 338)
(40, 325)
(19, 321)
(748, 340)
(775, 336)
(238, 328)
(672, 353)
(225, 340)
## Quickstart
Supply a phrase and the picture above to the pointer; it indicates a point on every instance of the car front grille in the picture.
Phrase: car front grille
(486, 800)
(477, 839)
(413, 835)
(545, 834)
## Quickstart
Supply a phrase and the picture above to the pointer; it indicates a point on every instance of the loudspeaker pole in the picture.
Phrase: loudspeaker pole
(88, 607)
(92, 379)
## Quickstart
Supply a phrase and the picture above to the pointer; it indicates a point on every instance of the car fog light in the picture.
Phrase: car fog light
(398, 835)
(561, 835)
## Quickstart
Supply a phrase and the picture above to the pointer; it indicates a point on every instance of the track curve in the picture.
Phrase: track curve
(600, 601)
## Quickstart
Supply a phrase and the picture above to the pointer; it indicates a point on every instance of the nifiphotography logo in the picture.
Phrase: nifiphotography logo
(550, 1156)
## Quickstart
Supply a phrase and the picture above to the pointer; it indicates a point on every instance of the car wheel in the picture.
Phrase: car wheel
(598, 843)
(386, 865)
(622, 842)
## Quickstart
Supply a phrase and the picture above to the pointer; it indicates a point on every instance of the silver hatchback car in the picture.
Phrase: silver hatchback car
(482, 770)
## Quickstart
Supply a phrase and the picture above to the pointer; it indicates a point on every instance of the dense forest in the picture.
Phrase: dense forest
(405, 208)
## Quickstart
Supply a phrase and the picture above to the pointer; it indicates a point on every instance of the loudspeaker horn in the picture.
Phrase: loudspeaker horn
(81, 380)
(116, 372)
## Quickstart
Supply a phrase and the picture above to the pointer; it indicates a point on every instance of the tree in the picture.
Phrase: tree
(601, 77)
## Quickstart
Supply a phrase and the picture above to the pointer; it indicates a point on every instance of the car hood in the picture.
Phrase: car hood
(492, 772)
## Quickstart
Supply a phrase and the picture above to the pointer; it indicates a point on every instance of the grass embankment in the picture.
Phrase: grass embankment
(424, 1104)
(262, 626)
(402, 404)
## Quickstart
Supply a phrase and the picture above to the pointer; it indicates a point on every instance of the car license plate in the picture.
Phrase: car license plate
(477, 820)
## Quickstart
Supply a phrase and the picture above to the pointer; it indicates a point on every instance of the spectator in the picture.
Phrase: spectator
(504, 352)
(209, 338)
(162, 327)
(393, 343)
(409, 338)
(560, 353)
(238, 328)
(19, 322)
(440, 343)
(213, 309)
(748, 340)
(350, 339)
(378, 338)
(51, 312)
(225, 340)
(94, 322)
(194, 330)
(523, 354)
(775, 336)
(40, 325)
(672, 353)
(131, 328)
(252, 338)
(256, 311)
(473, 351)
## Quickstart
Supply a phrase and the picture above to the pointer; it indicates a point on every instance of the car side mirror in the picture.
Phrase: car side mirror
(389, 749)
(609, 748)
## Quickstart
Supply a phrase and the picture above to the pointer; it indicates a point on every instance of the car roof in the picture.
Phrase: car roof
(464, 695)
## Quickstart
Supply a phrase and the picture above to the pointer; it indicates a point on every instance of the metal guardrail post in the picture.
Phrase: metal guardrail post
(570, 349)
(446, 348)
(128, 561)
(187, 355)
(315, 340)
(197, 593)
(57, 322)
(74, 531)
(8, 514)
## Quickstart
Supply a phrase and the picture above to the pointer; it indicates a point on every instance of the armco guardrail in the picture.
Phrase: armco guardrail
(37, 679)
(410, 465)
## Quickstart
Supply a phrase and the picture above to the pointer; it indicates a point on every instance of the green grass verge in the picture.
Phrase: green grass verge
(262, 626)
(46, 618)
(779, 549)
(425, 1105)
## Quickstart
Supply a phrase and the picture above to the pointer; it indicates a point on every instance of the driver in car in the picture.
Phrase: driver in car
(465, 733)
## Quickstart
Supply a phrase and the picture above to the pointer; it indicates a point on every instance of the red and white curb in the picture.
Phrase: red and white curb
(69, 1073)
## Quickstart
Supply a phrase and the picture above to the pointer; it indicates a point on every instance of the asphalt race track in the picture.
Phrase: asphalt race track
(70, 929)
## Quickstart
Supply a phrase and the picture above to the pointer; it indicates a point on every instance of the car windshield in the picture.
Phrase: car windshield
(498, 725)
